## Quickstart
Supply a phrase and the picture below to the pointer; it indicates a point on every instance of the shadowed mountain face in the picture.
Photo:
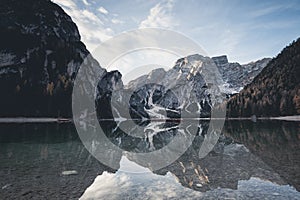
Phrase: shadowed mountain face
(275, 91)
(40, 55)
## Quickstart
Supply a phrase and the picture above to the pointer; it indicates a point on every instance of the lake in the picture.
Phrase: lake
(246, 160)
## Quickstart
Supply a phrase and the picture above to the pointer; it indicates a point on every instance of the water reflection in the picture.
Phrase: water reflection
(139, 139)
(249, 160)
(276, 142)
(137, 185)
(152, 186)
(33, 157)
(228, 167)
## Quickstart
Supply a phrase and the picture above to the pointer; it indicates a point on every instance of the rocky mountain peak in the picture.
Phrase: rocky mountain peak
(220, 60)
(235, 75)
(190, 62)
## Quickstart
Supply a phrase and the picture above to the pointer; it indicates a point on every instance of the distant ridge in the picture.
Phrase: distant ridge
(275, 91)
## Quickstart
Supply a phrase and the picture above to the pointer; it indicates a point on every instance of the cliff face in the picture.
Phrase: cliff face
(40, 55)
(182, 88)
(187, 75)
(235, 75)
(275, 91)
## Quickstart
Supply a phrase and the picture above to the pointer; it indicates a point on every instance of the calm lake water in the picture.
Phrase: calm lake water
(249, 160)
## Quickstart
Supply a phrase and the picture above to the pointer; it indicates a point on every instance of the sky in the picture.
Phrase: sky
(244, 30)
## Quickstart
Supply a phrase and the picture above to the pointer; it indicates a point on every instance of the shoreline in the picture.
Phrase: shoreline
(69, 120)
(34, 120)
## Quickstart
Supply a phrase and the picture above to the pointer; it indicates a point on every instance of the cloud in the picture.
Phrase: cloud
(65, 3)
(266, 11)
(117, 21)
(86, 2)
(91, 17)
(160, 16)
(103, 10)
(92, 28)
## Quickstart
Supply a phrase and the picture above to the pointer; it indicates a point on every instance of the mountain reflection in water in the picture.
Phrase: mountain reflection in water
(249, 160)
(230, 165)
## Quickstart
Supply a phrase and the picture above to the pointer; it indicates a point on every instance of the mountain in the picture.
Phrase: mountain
(180, 91)
(193, 74)
(275, 91)
(40, 55)
(237, 76)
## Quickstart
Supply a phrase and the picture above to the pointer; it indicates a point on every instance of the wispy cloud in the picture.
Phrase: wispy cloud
(86, 2)
(273, 25)
(117, 21)
(245, 31)
(270, 9)
(66, 3)
(92, 28)
(103, 10)
(160, 16)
